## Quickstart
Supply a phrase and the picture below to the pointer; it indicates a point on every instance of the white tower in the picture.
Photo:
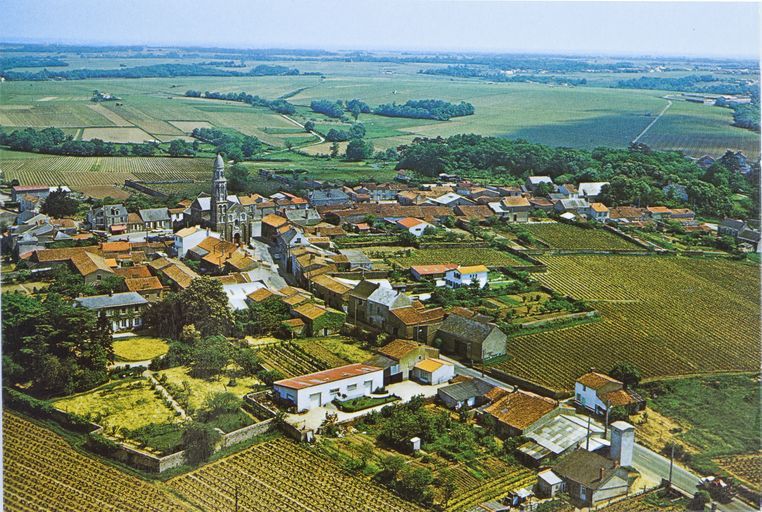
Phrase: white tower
(219, 206)
(622, 442)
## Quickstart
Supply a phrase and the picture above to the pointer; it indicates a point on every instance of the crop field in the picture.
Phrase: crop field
(649, 502)
(83, 172)
(495, 480)
(747, 468)
(565, 236)
(461, 256)
(280, 475)
(121, 135)
(290, 359)
(668, 315)
(131, 404)
(42, 472)
(700, 130)
(335, 351)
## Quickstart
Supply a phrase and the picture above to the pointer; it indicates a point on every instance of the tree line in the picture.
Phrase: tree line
(496, 75)
(637, 175)
(31, 62)
(151, 71)
(53, 141)
(425, 109)
(709, 84)
(280, 106)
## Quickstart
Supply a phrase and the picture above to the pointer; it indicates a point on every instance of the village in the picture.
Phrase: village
(431, 278)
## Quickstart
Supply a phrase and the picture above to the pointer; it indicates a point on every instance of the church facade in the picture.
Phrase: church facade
(226, 216)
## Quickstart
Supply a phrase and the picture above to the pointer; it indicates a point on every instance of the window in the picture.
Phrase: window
(334, 392)
(352, 387)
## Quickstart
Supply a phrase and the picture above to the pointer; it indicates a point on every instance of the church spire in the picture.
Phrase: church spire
(219, 206)
(219, 168)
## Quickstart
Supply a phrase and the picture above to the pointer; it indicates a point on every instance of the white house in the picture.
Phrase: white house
(433, 371)
(598, 212)
(597, 392)
(534, 181)
(591, 190)
(414, 226)
(124, 310)
(317, 389)
(466, 276)
(188, 238)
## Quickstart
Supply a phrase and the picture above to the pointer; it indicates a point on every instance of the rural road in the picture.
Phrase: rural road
(461, 369)
(656, 467)
(669, 104)
(321, 139)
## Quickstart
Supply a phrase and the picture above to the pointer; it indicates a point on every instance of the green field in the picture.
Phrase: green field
(140, 348)
(567, 116)
(565, 236)
(668, 315)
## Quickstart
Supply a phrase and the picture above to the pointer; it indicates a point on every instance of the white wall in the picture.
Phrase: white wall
(587, 397)
(183, 245)
(465, 279)
(303, 397)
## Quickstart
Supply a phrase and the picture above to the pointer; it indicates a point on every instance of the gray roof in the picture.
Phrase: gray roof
(355, 256)
(219, 162)
(750, 235)
(154, 214)
(331, 194)
(364, 289)
(120, 209)
(386, 296)
(112, 301)
(584, 467)
(465, 390)
(536, 180)
(381, 361)
(592, 188)
(466, 328)
(573, 204)
(733, 224)
(205, 203)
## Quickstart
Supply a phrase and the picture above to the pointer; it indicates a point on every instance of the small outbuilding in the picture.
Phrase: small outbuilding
(433, 371)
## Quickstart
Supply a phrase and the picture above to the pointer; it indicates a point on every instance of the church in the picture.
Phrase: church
(223, 213)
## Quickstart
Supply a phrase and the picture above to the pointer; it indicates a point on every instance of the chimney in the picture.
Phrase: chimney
(600, 473)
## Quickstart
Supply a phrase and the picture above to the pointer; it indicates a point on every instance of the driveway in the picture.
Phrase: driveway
(406, 390)
(461, 369)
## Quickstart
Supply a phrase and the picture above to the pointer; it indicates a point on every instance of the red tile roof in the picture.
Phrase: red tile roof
(326, 376)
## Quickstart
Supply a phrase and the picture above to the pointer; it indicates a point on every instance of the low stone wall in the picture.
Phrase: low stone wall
(246, 433)
(570, 316)
(527, 385)
(252, 400)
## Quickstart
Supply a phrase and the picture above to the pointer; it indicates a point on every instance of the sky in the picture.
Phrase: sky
(708, 29)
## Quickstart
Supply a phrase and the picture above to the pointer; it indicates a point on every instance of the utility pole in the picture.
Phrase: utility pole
(671, 463)
(587, 436)
(606, 422)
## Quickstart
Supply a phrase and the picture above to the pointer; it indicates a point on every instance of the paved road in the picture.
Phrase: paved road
(461, 369)
(656, 467)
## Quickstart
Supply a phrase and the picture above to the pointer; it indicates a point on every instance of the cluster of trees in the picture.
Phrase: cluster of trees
(234, 146)
(152, 71)
(493, 75)
(51, 347)
(59, 203)
(690, 83)
(53, 141)
(328, 108)
(636, 175)
(280, 106)
(338, 108)
(425, 109)
(70, 285)
(31, 62)
(744, 116)
(356, 131)
(262, 318)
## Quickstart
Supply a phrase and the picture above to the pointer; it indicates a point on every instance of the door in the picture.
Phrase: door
(368, 386)
(315, 400)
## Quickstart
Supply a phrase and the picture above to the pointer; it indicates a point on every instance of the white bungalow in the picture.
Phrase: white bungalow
(466, 276)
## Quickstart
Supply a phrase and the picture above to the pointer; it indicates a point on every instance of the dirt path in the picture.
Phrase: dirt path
(669, 104)
(164, 393)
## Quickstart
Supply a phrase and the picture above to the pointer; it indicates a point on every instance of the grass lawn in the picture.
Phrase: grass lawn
(364, 402)
(27, 288)
(719, 414)
(127, 404)
(200, 388)
(141, 348)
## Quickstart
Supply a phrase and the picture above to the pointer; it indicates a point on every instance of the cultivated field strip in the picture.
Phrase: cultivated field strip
(42, 472)
(91, 171)
(677, 316)
(279, 476)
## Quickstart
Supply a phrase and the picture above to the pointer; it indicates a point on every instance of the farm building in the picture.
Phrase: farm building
(469, 392)
(598, 212)
(415, 227)
(451, 199)
(592, 190)
(471, 338)
(467, 276)
(415, 323)
(563, 433)
(571, 205)
(520, 411)
(329, 197)
(659, 212)
(433, 371)
(155, 218)
(421, 272)
(398, 357)
(39, 191)
(124, 310)
(91, 266)
(371, 302)
(590, 478)
(512, 208)
(597, 392)
(317, 389)
(533, 182)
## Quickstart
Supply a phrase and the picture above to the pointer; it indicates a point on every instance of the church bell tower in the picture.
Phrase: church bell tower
(219, 206)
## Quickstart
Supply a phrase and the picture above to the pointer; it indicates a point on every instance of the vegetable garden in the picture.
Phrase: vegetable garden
(669, 315)
(747, 468)
(290, 359)
(280, 475)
